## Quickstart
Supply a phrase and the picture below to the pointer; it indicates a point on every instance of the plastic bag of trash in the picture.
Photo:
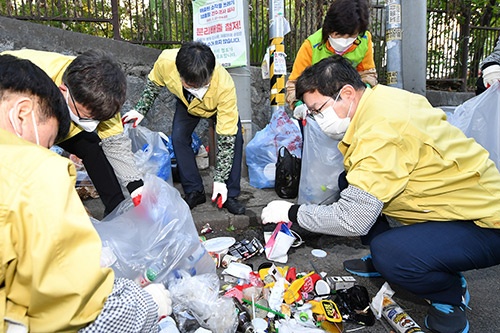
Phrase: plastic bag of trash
(151, 152)
(155, 241)
(262, 150)
(322, 163)
(197, 297)
(479, 118)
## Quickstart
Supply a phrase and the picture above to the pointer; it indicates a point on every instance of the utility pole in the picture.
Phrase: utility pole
(277, 62)
(393, 37)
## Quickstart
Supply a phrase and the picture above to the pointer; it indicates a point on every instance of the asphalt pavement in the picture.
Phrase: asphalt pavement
(484, 284)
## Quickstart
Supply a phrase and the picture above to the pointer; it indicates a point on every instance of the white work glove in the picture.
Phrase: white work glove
(219, 189)
(300, 112)
(491, 74)
(136, 196)
(161, 296)
(133, 117)
(276, 211)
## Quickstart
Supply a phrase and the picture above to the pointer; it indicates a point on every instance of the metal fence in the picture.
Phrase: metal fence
(454, 47)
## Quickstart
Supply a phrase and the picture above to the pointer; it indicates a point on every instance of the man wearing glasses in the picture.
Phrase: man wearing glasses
(403, 160)
(94, 87)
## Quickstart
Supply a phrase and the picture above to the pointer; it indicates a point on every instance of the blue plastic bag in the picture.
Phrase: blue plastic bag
(151, 153)
(262, 150)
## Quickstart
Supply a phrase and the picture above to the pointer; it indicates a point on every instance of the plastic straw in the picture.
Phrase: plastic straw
(253, 306)
(258, 306)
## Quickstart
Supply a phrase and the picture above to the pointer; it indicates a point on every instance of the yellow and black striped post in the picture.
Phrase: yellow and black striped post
(277, 61)
(277, 78)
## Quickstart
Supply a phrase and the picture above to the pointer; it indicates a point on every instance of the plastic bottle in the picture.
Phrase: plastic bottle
(244, 320)
(149, 275)
(198, 262)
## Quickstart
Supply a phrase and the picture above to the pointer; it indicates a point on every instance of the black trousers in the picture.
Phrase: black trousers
(183, 126)
(87, 146)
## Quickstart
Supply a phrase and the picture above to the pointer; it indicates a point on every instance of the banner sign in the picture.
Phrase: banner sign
(220, 25)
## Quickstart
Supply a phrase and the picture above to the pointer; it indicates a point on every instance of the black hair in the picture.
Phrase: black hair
(195, 63)
(22, 76)
(328, 76)
(346, 17)
(97, 82)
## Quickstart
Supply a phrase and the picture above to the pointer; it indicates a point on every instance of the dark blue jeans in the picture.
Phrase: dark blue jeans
(182, 127)
(426, 258)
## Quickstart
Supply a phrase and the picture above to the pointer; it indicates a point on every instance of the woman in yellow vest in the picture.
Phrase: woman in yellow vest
(343, 33)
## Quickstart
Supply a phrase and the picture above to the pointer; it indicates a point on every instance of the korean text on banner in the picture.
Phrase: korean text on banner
(220, 25)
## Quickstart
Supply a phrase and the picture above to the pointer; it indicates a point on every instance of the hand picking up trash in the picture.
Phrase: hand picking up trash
(403, 164)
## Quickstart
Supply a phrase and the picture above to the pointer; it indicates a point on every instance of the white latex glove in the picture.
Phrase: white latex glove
(276, 211)
(162, 298)
(219, 188)
(491, 74)
(300, 111)
(137, 196)
(133, 117)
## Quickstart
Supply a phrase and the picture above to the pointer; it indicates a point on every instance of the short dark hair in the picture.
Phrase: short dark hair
(97, 82)
(22, 76)
(195, 63)
(346, 17)
(328, 76)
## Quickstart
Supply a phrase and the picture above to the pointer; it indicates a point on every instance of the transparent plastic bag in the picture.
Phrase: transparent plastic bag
(262, 150)
(198, 297)
(157, 240)
(151, 152)
(322, 163)
(479, 118)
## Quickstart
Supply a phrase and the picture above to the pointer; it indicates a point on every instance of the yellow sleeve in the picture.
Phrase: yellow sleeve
(110, 127)
(61, 281)
(227, 108)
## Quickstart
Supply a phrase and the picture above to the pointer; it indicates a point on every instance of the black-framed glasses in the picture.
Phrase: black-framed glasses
(317, 112)
(76, 108)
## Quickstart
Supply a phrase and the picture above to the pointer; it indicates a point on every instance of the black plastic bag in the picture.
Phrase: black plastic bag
(353, 304)
(287, 174)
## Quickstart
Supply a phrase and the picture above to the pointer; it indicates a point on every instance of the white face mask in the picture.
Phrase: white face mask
(340, 45)
(87, 125)
(35, 128)
(199, 92)
(331, 124)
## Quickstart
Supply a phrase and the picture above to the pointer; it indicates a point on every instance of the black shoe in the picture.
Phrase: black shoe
(361, 267)
(195, 198)
(447, 318)
(234, 206)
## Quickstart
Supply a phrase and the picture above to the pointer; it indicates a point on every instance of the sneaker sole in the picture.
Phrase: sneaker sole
(367, 275)
(465, 330)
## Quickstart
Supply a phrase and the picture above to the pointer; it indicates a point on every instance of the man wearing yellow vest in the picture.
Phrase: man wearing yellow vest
(94, 87)
(345, 33)
(404, 160)
(50, 272)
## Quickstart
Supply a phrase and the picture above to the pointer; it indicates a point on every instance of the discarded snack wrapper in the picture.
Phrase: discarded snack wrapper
(246, 249)
(206, 229)
(227, 259)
